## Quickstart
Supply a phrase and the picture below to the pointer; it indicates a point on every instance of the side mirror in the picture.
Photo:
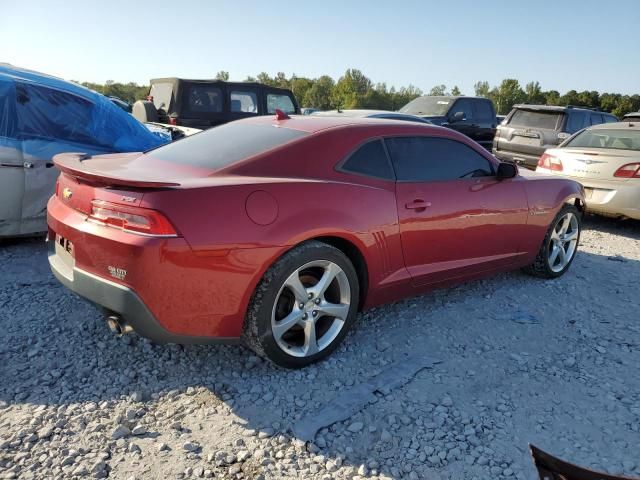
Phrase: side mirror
(506, 170)
(457, 117)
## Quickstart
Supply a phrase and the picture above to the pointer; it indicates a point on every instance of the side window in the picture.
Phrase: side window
(610, 119)
(7, 100)
(463, 105)
(202, 98)
(47, 113)
(281, 102)
(432, 159)
(577, 121)
(596, 119)
(370, 160)
(483, 110)
(244, 102)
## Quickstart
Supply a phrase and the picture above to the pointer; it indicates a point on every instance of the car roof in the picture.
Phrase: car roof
(12, 73)
(556, 108)
(359, 113)
(632, 115)
(316, 123)
(616, 126)
(211, 81)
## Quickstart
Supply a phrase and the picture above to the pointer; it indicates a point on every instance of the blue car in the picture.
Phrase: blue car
(41, 116)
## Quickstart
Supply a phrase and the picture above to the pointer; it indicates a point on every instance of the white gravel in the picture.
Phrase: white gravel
(554, 363)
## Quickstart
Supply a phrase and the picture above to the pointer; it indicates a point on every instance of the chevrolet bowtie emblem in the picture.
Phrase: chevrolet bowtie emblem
(67, 193)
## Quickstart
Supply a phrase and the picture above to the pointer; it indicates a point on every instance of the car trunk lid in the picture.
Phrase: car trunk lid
(594, 163)
(117, 178)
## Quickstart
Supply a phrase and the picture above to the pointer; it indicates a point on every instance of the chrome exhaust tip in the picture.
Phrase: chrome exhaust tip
(118, 326)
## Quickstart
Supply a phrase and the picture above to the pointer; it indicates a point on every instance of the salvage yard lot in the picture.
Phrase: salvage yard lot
(553, 363)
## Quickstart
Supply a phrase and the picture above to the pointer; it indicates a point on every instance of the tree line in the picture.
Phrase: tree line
(355, 90)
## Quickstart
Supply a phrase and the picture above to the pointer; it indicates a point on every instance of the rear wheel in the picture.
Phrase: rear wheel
(559, 246)
(303, 306)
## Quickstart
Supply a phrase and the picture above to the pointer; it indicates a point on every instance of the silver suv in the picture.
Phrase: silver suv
(529, 130)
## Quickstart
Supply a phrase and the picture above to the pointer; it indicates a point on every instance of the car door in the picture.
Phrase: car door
(11, 163)
(456, 218)
(485, 122)
(50, 121)
(461, 118)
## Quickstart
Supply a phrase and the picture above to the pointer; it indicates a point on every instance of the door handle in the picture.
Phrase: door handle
(28, 165)
(417, 205)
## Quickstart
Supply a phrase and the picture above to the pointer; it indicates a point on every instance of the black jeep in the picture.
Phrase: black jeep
(207, 103)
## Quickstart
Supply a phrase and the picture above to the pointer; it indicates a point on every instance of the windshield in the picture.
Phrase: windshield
(428, 106)
(221, 146)
(535, 119)
(615, 139)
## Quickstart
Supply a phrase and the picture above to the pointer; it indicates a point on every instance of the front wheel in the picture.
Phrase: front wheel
(303, 306)
(559, 246)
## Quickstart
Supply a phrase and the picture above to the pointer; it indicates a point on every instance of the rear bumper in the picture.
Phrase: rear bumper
(522, 159)
(120, 299)
(616, 198)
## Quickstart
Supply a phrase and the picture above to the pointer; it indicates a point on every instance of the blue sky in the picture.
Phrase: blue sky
(586, 45)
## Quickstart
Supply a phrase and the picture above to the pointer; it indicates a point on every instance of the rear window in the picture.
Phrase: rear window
(535, 119)
(615, 139)
(221, 146)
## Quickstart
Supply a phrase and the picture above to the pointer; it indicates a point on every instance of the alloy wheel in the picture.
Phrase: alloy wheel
(563, 242)
(311, 308)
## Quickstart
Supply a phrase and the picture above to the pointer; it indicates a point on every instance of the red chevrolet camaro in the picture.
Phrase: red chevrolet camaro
(276, 232)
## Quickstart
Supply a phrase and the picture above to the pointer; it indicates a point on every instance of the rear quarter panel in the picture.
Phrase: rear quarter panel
(546, 195)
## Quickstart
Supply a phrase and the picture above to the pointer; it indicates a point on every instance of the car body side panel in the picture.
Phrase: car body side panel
(546, 195)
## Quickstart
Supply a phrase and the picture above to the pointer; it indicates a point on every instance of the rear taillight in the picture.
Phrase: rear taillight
(630, 170)
(550, 162)
(173, 121)
(57, 187)
(132, 219)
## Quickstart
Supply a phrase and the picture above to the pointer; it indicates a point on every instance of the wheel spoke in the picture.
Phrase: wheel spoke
(563, 256)
(295, 285)
(337, 310)
(284, 325)
(329, 274)
(566, 221)
(570, 236)
(310, 342)
(555, 251)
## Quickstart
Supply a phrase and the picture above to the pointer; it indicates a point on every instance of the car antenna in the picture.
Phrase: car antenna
(280, 115)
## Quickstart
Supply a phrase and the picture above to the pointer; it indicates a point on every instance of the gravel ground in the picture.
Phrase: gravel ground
(522, 360)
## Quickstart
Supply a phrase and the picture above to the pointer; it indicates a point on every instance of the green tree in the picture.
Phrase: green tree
(534, 93)
(222, 75)
(351, 89)
(300, 87)
(438, 90)
(482, 89)
(403, 96)
(508, 94)
(455, 91)
(552, 97)
(320, 93)
(263, 77)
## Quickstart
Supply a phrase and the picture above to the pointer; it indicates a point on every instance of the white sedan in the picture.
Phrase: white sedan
(605, 159)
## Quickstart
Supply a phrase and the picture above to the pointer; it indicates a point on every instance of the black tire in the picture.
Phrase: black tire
(540, 267)
(258, 333)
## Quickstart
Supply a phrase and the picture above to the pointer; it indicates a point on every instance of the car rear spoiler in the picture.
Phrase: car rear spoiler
(72, 164)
